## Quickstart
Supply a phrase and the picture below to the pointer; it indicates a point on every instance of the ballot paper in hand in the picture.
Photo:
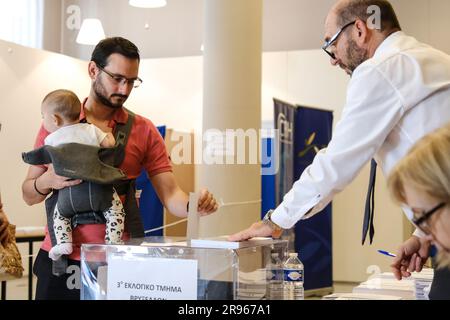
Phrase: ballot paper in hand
(193, 217)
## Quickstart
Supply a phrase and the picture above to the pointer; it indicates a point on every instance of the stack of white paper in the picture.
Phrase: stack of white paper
(359, 296)
(385, 286)
(422, 282)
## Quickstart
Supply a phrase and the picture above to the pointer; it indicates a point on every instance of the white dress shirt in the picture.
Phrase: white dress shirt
(393, 100)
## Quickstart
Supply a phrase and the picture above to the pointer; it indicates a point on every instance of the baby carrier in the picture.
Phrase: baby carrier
(85, 203)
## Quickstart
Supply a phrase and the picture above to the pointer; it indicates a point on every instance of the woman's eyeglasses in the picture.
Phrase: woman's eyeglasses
(422, 221)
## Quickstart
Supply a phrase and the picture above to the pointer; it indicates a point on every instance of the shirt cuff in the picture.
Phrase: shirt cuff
(285, 219)
(418, 233)
(159, 171)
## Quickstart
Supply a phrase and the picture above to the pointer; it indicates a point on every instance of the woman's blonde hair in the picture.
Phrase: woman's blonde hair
(426, 167)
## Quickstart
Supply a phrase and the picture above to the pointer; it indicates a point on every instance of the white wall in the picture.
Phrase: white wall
(172, 94)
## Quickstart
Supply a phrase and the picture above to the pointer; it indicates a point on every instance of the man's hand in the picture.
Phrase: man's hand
(411, 256)
(4, 223)
(50, 180)
(44, 180)
(207, 204)
(258, 229)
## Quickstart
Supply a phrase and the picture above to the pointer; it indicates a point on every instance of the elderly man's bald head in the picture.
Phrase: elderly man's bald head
(345, 11)
(353, 31)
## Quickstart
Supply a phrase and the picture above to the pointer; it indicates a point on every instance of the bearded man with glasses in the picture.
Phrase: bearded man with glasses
(113, 70)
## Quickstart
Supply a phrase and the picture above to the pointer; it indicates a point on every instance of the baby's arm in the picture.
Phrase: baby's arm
(108, 141)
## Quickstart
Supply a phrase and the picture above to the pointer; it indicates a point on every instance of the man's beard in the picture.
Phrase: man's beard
(100, 92)
(355, 57)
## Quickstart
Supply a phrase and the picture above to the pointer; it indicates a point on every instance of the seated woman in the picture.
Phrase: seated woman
(421, 181)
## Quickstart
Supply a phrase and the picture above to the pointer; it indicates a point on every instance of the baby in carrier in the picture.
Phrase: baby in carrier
(61, 113)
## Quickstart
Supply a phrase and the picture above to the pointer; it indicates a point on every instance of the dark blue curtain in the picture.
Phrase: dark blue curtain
(304, 131)
(152, 211)
(268, 176)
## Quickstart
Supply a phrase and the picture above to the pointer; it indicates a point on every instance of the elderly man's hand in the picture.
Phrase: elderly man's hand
(207, 204)
(4, 223)
(258, 229)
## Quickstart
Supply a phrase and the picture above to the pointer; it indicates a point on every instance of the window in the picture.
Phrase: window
(21, 22)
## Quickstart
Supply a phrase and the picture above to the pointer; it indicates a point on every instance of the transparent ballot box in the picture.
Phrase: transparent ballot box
(161, 268)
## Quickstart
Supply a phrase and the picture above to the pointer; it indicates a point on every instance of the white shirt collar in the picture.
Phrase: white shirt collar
(387, 43)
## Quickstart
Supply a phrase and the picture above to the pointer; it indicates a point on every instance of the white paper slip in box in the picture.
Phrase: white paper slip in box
(221, 242)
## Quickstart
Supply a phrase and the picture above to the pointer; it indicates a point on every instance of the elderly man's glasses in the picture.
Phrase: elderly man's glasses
(422, 221)
(333, 39)
(136, 82)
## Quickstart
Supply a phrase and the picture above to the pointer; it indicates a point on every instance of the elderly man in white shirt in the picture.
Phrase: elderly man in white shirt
(399, 91)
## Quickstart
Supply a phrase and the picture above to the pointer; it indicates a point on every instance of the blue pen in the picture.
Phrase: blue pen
(387, 253)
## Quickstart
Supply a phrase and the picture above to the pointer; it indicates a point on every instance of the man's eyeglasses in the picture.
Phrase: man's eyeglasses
(122, 80)
(422, 221)
(333, 39)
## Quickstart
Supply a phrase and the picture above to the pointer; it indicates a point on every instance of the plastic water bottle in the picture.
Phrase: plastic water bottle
(293, 278)
(274, 289)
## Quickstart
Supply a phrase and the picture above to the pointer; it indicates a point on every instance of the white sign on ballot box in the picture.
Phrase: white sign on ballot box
(148, 278)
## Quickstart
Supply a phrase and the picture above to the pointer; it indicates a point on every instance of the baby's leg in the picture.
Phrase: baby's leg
(63, 234)
(115, 221)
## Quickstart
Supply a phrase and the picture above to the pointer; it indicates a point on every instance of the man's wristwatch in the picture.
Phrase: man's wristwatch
(276, 229)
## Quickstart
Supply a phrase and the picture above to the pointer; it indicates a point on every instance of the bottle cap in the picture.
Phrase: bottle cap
(293, 254)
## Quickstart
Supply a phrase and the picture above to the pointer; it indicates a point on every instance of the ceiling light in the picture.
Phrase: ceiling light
(91, 32)
(148, 3)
